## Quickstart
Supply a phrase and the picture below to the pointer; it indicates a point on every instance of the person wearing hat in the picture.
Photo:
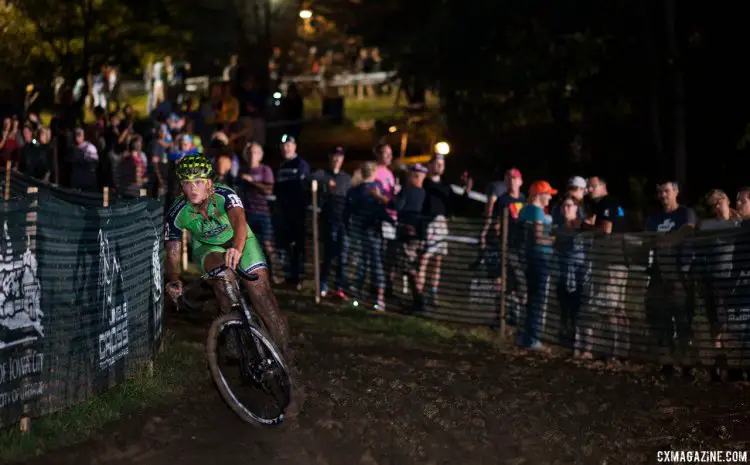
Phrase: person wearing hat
(512, 200)
(577, 191)
(292, 197)
(408, 206)
(536, 227)
(333, 185)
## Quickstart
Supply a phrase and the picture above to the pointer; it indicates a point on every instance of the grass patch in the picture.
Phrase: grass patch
(75, 424)
(348, 322)
(381, 107)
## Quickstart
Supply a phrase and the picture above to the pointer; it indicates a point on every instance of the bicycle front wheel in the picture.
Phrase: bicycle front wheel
(248, 370)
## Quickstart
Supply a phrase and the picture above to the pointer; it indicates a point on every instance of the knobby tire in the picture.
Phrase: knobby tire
(234, 320)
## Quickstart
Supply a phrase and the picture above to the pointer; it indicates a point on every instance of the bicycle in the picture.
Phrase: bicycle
(250, 349)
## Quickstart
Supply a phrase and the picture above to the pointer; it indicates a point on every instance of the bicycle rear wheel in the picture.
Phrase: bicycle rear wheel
(247, 369)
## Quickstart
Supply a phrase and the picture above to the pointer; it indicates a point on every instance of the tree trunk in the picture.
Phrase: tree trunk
(680, 151)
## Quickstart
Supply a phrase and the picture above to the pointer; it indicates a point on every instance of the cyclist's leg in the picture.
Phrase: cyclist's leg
(209, 257)
(264, 302)
(261, 295)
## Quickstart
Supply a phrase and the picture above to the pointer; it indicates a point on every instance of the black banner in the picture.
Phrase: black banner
(80, 297)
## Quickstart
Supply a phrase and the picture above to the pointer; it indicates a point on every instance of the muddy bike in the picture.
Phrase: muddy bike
(240, 349)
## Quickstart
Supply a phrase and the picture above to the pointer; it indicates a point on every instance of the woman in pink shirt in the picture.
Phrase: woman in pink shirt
(383, 174)
(384, 177)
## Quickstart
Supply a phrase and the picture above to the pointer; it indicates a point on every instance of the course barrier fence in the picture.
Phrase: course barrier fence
(679, 298)
(80, 295)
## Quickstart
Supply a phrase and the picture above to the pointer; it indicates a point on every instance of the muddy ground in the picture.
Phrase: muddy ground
(440, 398)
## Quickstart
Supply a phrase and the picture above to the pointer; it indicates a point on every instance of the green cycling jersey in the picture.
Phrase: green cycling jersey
(214, 233)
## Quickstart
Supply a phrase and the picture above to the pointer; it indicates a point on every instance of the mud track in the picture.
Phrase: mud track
(373, 399)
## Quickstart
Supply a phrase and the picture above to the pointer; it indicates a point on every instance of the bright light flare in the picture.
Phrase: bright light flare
(442, 148)
(277, 95)
(305, 14)
(392, 129)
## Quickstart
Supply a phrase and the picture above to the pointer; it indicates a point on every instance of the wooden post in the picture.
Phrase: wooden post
(56, 162)
(404, 142)
(105, 196)
(31, 231)
(503, 271)
(316, 245)
(6, 196)
(184, 250)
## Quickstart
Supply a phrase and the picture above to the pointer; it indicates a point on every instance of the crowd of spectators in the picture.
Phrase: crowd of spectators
(565, 246)
(386, 226)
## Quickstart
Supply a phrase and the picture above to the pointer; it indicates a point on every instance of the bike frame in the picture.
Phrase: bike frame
(239, 304)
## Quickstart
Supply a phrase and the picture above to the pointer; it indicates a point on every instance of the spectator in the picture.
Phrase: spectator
(9, 146)
(159, 160)
(577, 190)
(292, 198)
(255, 184)
(116, 136)
(669, 296)
(717, 259)
(185, 148)
(610, 286)
(366, 212)
(196, 141)
(384, 177)
(84, 160)
(36, 155)
(334, 184)
(439, 202)
(98, 130)
(673, 216)
(513, 200)
(132, 169)
(99, 88)
(743, 203)
(383, 174)
(409, 204)
(494, 190)
(538, 242)
(575, 271)
(128, 117)
(607, 215)
(724, 215)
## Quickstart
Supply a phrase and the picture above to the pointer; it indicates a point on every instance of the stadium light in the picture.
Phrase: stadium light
(305, 14)
(442, 148)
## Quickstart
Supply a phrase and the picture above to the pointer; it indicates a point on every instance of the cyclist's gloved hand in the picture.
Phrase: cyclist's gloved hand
(232, 258)
(174, 289)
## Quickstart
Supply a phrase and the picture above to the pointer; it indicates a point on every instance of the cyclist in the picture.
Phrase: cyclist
(215, 218)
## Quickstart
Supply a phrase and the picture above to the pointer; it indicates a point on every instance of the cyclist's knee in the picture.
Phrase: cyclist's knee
(213, 260)
(262, 281)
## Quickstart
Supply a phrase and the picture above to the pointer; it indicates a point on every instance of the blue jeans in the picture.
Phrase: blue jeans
(336, 247)
(368, 245)
(537, 275)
